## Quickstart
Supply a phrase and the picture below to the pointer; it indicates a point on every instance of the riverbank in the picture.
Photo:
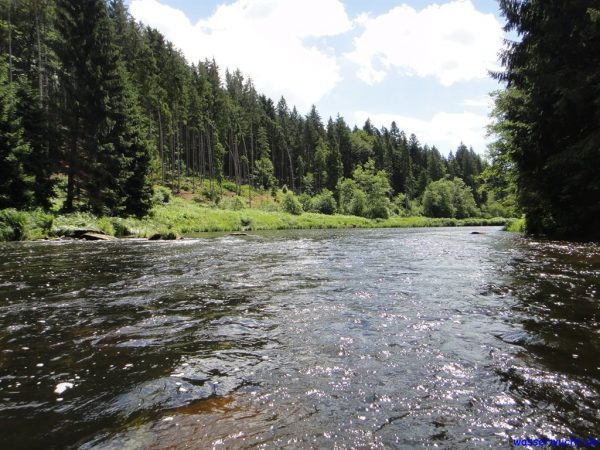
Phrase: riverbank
(182, 218)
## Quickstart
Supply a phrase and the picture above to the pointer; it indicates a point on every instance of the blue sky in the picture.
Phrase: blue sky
(422, 63)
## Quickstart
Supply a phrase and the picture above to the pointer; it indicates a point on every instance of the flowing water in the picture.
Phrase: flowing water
(321, 339)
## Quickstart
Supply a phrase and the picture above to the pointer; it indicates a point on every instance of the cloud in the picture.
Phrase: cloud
(263, 38)
(444, 130)
(452, 42)
(485, 101)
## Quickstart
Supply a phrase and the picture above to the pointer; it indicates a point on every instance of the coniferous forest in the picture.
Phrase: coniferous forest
(97, 110)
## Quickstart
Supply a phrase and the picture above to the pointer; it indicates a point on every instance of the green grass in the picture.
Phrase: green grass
(516, 225)
(189, 217)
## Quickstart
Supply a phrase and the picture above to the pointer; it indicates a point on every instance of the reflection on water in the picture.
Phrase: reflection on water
(379, 338)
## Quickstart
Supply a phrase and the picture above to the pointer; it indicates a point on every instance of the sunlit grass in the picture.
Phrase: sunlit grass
(190, 215)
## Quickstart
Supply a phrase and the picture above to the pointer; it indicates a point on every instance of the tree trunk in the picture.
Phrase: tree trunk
(161, 147)
(10, 55)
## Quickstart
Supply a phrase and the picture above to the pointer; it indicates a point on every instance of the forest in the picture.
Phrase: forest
(99, 123)
(98, 111)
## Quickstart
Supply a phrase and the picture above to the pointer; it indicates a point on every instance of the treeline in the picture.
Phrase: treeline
(548, 119)
(101, 107)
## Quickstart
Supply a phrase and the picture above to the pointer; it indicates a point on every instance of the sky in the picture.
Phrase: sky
(421, 63)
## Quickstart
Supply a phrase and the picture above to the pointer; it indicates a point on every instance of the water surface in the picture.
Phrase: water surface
(323, 339)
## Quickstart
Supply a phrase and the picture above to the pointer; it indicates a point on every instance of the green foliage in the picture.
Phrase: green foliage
(105, 225)
(16, 184)
(352, 199)
(305, 201)
(449, 198)
(375, 187)
(247, 223)
(20, 225)
(108, 107)
(122, 227)
(401, 205)
(264, 173)
(13, 225)
(236, 203)
(324, 203)
(291, 204)
(516, 226)
(308, 183)
(107, 154)
(547, 120)
(162, 195)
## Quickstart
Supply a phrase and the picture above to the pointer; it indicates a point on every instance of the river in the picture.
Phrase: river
(307, 339)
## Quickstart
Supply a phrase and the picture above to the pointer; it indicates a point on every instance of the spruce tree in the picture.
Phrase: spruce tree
(552, 114)
(107, 157)
(16, 185)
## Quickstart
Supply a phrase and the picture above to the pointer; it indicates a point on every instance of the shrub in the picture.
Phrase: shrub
(358, 203)
(121, 228)
(306, 201)
(13, 225)
(291, 204)
(324, 203)
(238, 203)
(162, 195)
(229, 185)
(247, 223)
(379, 211)
(449, 198)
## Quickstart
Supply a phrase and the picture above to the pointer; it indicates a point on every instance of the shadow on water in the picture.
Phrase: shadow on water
(556, 319)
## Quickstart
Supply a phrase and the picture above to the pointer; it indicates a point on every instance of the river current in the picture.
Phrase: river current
(307, 339)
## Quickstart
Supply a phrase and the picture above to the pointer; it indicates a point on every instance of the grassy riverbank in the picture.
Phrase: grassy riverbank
(182, 217)
(190, 214)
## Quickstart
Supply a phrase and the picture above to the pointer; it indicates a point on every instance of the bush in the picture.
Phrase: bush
(121, 228)
(238, 203)
(229, 185)
(13, 225)
(162, 195)
(291, 204)
(449, 198)
(324, 203)
(306, 201)
(247, 223)
(379, 211)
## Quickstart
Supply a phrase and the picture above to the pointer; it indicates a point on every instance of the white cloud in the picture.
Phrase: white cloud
(444, 130)
(263, 38)
(452, 42)
(486, 102)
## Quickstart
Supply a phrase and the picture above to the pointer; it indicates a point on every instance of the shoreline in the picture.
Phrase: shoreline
(180, 219)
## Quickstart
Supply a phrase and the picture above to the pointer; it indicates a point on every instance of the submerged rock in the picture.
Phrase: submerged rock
(96, 237)
(90, 234)
(169, 236)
